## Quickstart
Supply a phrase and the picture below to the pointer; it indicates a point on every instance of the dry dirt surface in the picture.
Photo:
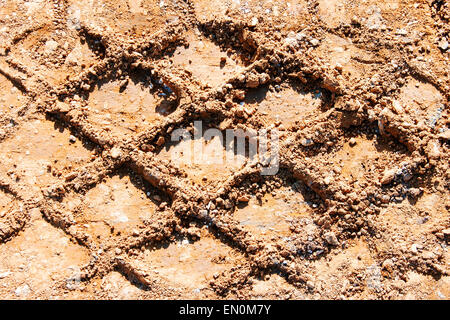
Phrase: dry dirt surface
(93, 207)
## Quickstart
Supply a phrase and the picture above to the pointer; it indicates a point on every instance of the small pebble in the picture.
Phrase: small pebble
(315, 42)
(401, 32)
(244, 198)
(160, 141)
(72, 139)
(23, 290)
(443, 45)
(330, 237)
(115, 153)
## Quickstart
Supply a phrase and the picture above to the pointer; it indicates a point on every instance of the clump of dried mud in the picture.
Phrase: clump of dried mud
(92, 206)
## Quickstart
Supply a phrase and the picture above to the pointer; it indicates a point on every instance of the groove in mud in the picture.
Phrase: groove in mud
(286, 105)
(204, 60)
(205, 158)
(129, 105)
(114, 208)
(190, 264)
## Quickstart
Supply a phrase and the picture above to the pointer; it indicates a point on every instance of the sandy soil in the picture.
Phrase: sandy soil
(93, 205)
